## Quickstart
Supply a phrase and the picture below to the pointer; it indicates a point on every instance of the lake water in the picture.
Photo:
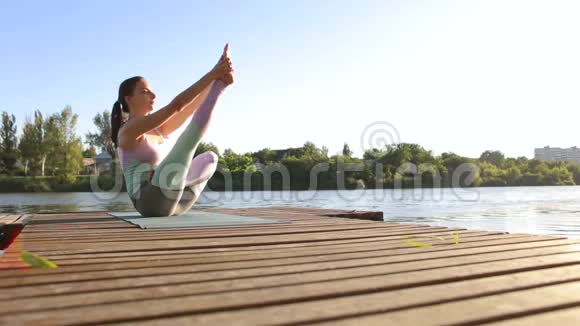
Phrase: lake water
(535, 210)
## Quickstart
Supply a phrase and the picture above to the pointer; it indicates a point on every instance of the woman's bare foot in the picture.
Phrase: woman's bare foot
(228, 79)
(224, 69)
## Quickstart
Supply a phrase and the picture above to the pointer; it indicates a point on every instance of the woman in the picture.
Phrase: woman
(172, 185)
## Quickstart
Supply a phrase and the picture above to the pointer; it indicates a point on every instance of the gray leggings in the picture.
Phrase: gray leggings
(153, 201)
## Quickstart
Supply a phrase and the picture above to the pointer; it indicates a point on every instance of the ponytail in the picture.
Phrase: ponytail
(126, 88)
(116, 122)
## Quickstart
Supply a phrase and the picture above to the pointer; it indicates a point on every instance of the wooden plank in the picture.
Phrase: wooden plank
(227, 279)
(230, 242)
(399, 251)
(476, 311)
(218, 301)
(465, 236)
(74, 251)
(315, 269)
(394, 247)
(11, 260)
(207, 233)
(337, 308)
(568, 316)
(324, 308)
(169, 238)
(62, 258)
(372, 216)
(325, 254)
(9, 219)
(478, 240)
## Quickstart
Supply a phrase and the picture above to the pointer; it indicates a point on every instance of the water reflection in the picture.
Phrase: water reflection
(536, 210)
(31, 209)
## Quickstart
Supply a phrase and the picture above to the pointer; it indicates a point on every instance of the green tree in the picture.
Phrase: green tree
(236, 162)
(494, 157)
(492, 175)
(204, 147)
(309, 151)
(574, 168)
(53, 144)
(397, 155)
(373, 154)
(558, 175)
(90, 152)
(63, 145)
(8, 144)
(102, 138)
(451, 161)
(324, 151)
(35, 143)
(265, 155)
(513, 176)
(346, 150)
(31, 145)
(74, 163)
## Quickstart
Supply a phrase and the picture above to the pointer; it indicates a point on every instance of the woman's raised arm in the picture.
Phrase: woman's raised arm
(178, 119)
(141, 125)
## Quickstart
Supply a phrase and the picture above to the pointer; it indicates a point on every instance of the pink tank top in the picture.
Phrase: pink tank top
(145, 152)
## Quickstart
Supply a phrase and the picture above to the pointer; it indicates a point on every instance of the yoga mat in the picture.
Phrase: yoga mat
(193, 218)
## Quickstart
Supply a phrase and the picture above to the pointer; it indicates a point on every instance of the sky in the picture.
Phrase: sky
(453, 76)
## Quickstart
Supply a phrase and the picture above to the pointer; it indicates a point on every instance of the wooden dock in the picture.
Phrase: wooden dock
(317, 269)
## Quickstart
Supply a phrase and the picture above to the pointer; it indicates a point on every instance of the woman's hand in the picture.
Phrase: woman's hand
(224, 70)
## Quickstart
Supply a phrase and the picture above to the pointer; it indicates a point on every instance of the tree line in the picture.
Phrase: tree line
(399, 165)
(47, 146)
(50, 146)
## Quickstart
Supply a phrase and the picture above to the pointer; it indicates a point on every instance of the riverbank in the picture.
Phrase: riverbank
(82, 183)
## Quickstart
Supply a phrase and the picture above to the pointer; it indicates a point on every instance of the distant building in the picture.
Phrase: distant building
(548, 153)
(89, 165)
(103, 161)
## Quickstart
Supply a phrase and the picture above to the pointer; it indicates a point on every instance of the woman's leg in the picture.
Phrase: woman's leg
(201, 170)
(154, 201)
(171, 173)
